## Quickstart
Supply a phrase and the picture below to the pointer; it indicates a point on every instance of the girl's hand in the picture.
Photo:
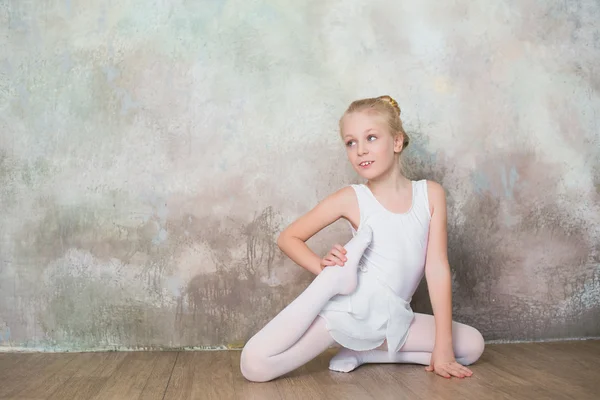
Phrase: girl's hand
(336, 256)
(444, 364)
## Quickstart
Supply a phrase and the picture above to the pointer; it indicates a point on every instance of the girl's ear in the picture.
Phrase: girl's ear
(398, 140)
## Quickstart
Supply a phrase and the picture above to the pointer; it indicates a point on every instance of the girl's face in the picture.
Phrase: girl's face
(370, 146)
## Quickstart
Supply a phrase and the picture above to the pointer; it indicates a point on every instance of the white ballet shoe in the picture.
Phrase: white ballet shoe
(346, 277)
(345, 360)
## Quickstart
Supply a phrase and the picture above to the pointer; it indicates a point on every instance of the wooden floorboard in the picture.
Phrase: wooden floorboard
(157, 383)
(556, 370)
(129, 378)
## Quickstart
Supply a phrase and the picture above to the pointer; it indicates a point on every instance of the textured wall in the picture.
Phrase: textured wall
(151, 151)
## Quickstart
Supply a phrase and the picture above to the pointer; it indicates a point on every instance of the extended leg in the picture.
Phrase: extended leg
(283, 331)
(467, 343)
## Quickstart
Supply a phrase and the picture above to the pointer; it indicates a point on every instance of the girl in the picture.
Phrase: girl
(361, 295)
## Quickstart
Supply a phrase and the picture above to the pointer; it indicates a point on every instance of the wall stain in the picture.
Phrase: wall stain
(8, 175)
(225, 306)
(4, 333)
(261, 239)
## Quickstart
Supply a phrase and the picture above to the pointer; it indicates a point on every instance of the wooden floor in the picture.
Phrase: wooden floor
(560, 370)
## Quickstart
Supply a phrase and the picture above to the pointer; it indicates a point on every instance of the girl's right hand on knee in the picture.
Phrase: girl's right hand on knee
(336, 256)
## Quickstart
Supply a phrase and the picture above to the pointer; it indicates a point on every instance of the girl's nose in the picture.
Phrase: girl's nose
(361, 149)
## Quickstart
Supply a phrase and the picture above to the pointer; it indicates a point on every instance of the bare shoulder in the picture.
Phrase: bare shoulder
(436, 195)
(341, 198)
(340, 204)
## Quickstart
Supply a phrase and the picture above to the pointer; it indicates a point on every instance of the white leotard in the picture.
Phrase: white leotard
(390, 271)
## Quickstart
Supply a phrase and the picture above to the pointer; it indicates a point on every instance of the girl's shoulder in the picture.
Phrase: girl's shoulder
(434, 188)
(342, 198)
(436, 195)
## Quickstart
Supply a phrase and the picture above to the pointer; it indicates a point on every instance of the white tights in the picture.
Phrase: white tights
(467, 344)
(297, 334)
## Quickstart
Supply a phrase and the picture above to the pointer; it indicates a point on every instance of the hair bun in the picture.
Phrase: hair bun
(391, 101)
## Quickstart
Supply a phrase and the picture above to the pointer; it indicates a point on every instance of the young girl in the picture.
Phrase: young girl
(361, 295)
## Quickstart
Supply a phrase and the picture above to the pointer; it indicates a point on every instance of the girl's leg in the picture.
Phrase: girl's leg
(292, 323)
(467, 342)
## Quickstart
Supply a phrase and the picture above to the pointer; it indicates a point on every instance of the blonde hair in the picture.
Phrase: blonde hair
(385, 106)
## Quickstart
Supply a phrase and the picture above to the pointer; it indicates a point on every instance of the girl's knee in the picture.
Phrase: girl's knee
(472, 346)
(253, 365)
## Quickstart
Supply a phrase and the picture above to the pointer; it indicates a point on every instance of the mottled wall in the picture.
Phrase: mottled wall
(151, 151)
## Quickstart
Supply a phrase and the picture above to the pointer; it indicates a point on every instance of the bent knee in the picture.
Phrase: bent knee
(474, 347)
(253, 366)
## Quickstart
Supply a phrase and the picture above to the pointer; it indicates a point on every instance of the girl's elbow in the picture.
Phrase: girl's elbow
(282, 240)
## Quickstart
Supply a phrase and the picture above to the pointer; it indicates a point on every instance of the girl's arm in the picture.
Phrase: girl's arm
(291, 241)
(437, 271)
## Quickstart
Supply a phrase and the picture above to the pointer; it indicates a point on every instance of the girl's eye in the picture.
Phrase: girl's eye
(371, 138)
(349, 143)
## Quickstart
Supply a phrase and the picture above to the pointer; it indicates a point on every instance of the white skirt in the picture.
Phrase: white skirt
(371, 314)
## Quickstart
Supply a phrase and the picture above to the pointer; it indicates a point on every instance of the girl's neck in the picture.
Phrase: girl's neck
(391, 181)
